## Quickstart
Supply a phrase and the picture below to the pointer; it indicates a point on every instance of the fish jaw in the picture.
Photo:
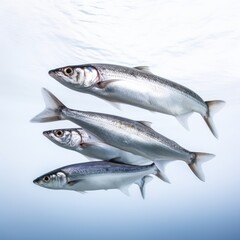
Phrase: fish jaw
(79, 77)
(53, 180)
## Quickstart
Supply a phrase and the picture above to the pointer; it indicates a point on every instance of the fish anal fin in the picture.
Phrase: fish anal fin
(142, 183)
(183, 119)
(160, 166)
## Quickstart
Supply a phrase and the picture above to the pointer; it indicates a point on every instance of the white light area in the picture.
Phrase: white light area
(195, 43)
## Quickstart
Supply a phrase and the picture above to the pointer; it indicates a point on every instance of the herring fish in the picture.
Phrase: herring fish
(84, 142)
(136, 137)
(98, 175)
(138, 87)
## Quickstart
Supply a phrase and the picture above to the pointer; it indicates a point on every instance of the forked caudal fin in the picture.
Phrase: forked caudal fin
(213, 107)
(52, 110)
(196, 163)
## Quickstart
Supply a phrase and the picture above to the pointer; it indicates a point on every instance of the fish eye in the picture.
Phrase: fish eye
(59, 133)
(68, 71)
(46, 179)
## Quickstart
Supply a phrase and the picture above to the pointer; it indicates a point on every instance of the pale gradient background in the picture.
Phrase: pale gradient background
(193, 42)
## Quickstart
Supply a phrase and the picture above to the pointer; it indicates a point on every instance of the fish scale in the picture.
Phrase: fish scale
(132, 136)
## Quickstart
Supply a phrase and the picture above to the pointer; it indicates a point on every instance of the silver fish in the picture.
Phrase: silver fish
(131, 136)
(98, 175)
(138, 87)
(84, 142)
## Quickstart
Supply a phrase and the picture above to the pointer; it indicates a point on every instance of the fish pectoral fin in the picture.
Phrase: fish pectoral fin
(104, 84)
(142, 182)
(90, 144)
(183, 119)
(72, 183)
(146, 123)
(143, 68)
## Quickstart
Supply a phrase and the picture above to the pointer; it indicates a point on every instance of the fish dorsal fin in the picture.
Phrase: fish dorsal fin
(142, 182)
(124, 189)
(183, 119)
(143, 68)
(146, 123)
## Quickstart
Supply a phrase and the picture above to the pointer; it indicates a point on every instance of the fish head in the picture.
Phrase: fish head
(52, 180)
(79, 78)
(67, 138)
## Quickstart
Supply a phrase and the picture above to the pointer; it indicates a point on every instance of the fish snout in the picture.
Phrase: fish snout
(36, 181)
(46, 133)
(51, 73)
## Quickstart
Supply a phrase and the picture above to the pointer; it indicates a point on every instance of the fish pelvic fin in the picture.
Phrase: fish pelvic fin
(52, 111)
(160, 165)
(142, 183)
(213, 107)
(196, 164)
(125, 190)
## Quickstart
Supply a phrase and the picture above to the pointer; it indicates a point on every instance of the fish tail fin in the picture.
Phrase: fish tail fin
(213, 107)
(196, 163)
(52, 111)
(160, 165)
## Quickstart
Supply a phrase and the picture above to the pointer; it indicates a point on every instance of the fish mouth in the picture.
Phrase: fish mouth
(46, 133)
(36, 181)
(53, 74)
